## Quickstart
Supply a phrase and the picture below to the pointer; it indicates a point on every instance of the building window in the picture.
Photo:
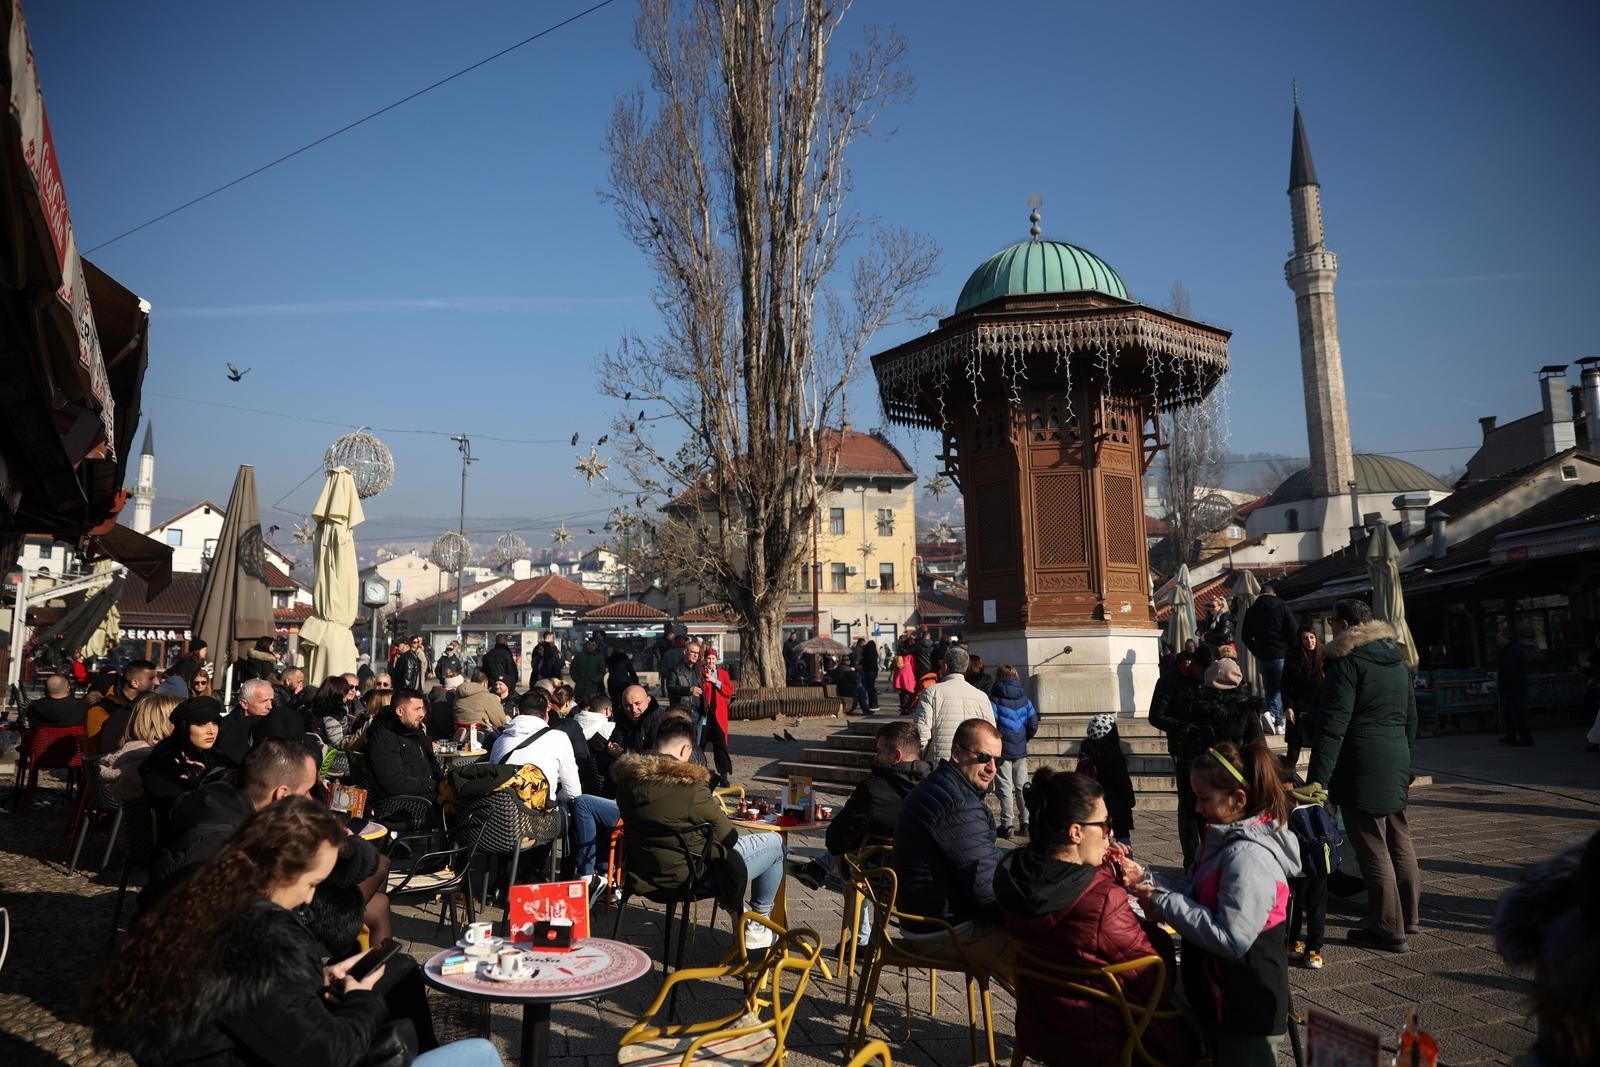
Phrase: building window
(1235, 533)
(885, 522)
(175, 538)
(836, 520)
(838, 576)
(1569, 472)
(1292, 518)
(886, 577)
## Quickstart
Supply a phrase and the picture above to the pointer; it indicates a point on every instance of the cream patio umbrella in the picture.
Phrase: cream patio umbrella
(1388, 602)
(1249, 589)
(235, 605)
(1181, 625)
(335, 594)
(105, 636)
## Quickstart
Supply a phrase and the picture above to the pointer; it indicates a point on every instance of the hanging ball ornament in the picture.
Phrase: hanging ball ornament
(368, 460)
(451, 552)
(508, 547)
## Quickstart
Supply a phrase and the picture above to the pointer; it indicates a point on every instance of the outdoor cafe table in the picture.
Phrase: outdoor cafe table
(595, 965)
(780, 910)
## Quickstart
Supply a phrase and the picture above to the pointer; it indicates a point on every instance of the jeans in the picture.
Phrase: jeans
(1272, 682)
(1008, 782)
(590, 815)
(699, 728)
(1382, 845)
(473, 1052)
(763, 862)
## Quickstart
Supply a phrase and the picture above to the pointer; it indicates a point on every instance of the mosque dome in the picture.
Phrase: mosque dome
(1031, 268)
(1374, 474)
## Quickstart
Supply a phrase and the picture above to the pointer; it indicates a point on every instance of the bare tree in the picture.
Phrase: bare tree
(1192, 464)
(729, 174)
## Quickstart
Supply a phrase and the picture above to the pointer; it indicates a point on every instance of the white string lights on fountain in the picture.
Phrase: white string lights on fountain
(368, 460)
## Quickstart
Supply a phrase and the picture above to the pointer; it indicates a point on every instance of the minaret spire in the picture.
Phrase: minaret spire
(144, 490)
(1311, 273)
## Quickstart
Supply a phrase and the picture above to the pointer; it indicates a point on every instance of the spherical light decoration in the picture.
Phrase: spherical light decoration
(508, 547)
(368, 460)
(451, 552)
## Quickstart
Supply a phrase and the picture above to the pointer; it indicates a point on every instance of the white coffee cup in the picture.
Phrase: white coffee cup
(479, 933)
(514, 963)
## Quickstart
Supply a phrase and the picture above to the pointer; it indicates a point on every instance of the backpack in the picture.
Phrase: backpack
(1321, 847)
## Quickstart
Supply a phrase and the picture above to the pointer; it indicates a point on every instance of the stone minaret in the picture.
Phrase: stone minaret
(1310, 272)
(144, 490)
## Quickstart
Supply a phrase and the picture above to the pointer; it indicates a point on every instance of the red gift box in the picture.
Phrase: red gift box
(550, 901)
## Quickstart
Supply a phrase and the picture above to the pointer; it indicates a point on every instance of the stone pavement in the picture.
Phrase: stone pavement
(1490, 813)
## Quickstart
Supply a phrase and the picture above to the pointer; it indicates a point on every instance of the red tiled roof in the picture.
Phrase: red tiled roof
(624, 609)
(1156, 526)
(415, 611)
(291, 613)
(931, 550)
(937, 605)
(277, 579)
(550, 590)
(1244, 510)
(707, 613)
(863, 454)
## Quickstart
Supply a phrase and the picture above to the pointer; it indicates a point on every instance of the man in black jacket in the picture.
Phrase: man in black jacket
(869, 672)
(449, 659)
(1268, 631)
(874, 807)
(498, 662)
(638, 724)
(945, 855)
(407, 668)
(400, 759)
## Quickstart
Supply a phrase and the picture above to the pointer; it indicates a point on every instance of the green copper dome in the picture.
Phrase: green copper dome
(1036, 267)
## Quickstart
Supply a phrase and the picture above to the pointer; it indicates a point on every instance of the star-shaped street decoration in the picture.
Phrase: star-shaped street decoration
(561, 535)
(305, 532)
(943, 531)
(866, 548)
(937, 486)
(592, 466)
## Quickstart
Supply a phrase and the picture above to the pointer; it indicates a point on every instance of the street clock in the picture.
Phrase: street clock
(375, 592)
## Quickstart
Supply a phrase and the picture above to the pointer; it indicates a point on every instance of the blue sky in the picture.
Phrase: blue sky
(449, 266)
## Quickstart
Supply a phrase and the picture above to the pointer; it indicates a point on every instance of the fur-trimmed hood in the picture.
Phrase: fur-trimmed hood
(1539, 916)
(633, 766)
(1357, 636)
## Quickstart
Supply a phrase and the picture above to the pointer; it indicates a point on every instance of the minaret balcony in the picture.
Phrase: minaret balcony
(1315, 262)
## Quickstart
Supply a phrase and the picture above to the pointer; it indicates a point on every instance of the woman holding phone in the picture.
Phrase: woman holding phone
(220, 970)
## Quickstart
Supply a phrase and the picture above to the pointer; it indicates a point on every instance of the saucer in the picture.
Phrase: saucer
(494, 974)
(493, 944)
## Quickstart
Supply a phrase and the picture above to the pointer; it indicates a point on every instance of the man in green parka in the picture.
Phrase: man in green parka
(1363, 753)
(588, 672)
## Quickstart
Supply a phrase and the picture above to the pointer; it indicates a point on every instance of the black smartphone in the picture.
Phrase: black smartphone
(373, 958)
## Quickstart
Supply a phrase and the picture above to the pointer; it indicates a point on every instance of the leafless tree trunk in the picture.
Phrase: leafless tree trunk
(1192, 464)
(729, 174)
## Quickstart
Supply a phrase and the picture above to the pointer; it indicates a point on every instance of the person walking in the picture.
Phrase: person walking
(1302, 690)
(869, 674)
(1511, 680)
(1367, 728)
(1017, 720)
(948, 703)
(1268, 632)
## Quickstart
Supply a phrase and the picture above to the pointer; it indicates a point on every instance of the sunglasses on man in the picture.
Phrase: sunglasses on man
(982, 757)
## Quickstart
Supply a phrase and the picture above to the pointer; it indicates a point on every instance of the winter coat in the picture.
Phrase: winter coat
(407, 671)
(476, 706)
(199, 824)
(1230, 913)
(400, 762)
(1213, 715)
(62, 711)
(260, 1002)
(1103, 760)
(1015, 716)
(869, 658)
(983, 682)
(716, 698)
(927, 657)
(173, 768)
(333, 722)
(498, 662)
(944, 706)
(119, 770)
(676, 681)
(528, 739)
(446, 661)
(254, 664)
(1269, 628)
(547, 661)
(619, 675)
(944, 851)
(588, 675)
(658, 794)
(1302, 692)
(1074, 915)
(905, 675)
(638, 735)
(1511, 671)
(874, 808)
(1368, 722)
(1220, 631)
(1169, 707)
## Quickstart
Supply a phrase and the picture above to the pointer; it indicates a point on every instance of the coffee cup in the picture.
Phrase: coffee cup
(514, 963)
(479, 933)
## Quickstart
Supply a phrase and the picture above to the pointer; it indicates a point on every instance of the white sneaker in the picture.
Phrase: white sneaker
(757, 936)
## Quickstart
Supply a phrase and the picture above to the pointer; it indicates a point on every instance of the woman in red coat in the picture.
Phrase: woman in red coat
(1068, 905)
(715, 692)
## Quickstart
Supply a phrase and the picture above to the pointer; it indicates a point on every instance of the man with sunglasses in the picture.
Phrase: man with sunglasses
(945, 856)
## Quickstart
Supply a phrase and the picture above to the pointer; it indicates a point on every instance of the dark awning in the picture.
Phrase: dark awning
(144, 556)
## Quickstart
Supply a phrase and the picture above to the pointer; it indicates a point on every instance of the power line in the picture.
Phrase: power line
(350, 126)
(352, 425)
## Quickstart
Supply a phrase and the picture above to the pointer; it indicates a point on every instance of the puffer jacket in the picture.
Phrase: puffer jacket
(1230, 913)
(400, 762)
(1014, 714)
(1268, 628)
(1213, 715)
(1074, 915)
(260, 1002)
(1169, 707)
(941, 710)
(657, 795)
(944, 851)
(1367, 724)
(874, 807)
(476, 706)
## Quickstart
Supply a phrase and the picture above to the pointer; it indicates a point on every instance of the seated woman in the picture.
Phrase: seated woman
(1063, 901)
(181, 761)
(150, 725)
(221, 971)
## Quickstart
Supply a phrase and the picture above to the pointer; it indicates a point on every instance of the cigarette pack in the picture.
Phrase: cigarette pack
(457, 963)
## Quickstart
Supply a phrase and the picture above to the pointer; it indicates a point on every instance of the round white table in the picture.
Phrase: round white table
(595, 965)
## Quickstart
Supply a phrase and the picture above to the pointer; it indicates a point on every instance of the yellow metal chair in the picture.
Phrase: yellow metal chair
(874, 1052)
(757, 1033)
(871, 852)
(726, 793)
(1103, 984)
(880, 887)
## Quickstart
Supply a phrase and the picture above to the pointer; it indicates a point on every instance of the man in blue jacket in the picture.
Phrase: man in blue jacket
(945, 857)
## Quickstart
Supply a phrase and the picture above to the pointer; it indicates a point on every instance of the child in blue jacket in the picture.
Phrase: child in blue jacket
(1018, 722)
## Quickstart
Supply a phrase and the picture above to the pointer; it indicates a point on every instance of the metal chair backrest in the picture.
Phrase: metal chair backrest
(1104, 984)
(694, 844)
(55, 747)
(502, 824)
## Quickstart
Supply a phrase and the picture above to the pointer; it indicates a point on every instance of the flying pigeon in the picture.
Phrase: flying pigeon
(574, 440)
(235, 374)
(603, 439)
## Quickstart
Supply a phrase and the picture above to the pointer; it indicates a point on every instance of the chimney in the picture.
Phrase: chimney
(1590, 378)
(1441, 543)
(1487, 423)
(1413, 509)
(1558, 432)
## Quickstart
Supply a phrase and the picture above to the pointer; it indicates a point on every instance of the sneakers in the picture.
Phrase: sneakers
(1297, 949)
(1314, 960)
(757, 937)
(1368, 939)
(1004, 833)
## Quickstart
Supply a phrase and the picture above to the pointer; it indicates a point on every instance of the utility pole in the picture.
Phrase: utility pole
(467, 459)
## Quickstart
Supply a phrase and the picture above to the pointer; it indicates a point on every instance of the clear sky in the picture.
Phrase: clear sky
(449, 266)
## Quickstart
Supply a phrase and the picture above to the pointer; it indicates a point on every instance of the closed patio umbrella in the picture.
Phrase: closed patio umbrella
(335, 596)
(1249, 589)
(1388, 602)
(235, 606)
(1181, 626)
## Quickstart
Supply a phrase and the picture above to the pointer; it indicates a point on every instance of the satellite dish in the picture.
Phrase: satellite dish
(1213, 512)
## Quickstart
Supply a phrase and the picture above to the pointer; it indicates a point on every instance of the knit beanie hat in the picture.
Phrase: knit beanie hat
(1101, 725)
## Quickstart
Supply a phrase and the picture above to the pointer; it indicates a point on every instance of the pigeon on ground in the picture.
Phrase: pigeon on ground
(777, 737)
(235, 374)
(787, 736)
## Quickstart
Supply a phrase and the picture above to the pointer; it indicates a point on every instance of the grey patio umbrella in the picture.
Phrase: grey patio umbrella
(235, 607)
(1249, 589)
(1388, 602)
(1181, 625)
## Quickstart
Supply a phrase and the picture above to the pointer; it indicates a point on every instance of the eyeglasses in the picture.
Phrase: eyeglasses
(981, 757)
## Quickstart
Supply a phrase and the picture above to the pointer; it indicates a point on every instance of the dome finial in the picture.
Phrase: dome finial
(1035, 202)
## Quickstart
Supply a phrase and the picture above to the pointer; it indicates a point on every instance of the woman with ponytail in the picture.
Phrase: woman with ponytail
(1230, 912)
(1065, 901)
